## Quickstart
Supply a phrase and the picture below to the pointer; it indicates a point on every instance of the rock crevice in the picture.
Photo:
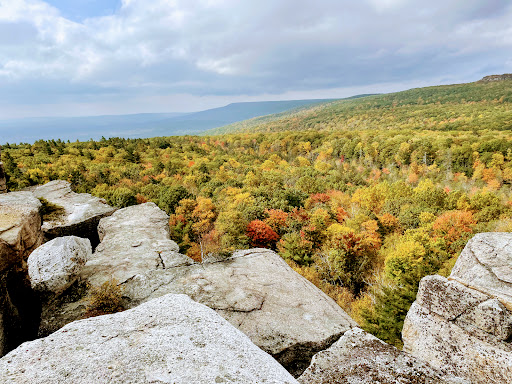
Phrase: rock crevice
(80, 212)
(20, 234)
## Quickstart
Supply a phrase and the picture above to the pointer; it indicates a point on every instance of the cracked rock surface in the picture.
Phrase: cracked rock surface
(463, 324)
(485, 265)
(170, 339)
(358, 357)
(81, 215)
(255, 290)
(134, 241)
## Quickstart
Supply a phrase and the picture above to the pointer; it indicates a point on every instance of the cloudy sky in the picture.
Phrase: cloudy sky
(91, 57)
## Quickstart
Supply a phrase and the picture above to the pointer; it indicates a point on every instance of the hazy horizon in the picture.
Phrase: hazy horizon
(112, 57)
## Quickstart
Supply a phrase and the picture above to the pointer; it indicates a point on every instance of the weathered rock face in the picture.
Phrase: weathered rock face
(492, 78)
(485, 265)
(358, 357)
(255, 290)
(55, 265)
(81, 215)
(20, 227)
(461, 324)
(167, 340)
(134, 241)
(20, 233)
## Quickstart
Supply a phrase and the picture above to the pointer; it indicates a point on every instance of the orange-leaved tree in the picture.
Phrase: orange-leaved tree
(261, 234)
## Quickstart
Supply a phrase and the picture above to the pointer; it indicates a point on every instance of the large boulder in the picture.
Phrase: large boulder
(167, 340)
(255, 290)
(134, 240)
(79, 213)
(463, 324)
(55, 265)
(20, 234)
(358, 357)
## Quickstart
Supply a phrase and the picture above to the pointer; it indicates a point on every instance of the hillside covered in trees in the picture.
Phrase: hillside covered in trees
(366, 198)
(471, 106)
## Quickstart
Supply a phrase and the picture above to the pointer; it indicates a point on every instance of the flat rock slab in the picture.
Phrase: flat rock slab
(20, 227)
(81, 211)
(360, 358)
(255, 290)
(485, 265)
(167, 340)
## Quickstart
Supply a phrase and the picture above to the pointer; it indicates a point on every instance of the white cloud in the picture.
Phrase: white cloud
(233, 47)
(383, 5)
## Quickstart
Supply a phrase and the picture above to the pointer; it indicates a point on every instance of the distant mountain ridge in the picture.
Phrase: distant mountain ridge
(138, 125)
(484, 104)
(306, 108)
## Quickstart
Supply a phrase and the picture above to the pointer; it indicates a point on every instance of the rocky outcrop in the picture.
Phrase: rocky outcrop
(167, 340)
(358, 357)
(55, 265)
(81, 212)
(492, 78)
(255, 290)
(20, 233)
(463, 324)
(135, 241)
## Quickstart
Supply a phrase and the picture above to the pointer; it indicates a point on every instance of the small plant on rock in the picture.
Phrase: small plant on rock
(105, 299)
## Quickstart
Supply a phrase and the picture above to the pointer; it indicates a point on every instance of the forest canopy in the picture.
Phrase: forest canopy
(363, 215)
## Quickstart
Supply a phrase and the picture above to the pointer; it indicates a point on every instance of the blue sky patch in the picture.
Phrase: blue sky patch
(79, 10)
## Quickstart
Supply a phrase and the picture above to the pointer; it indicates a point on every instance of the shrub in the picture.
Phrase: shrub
(122, 197)
(107, 298)
(293, 246)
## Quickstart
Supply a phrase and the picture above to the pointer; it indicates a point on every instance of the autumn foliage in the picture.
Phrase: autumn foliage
(261, 234)
(364, 213)
(453, 226)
